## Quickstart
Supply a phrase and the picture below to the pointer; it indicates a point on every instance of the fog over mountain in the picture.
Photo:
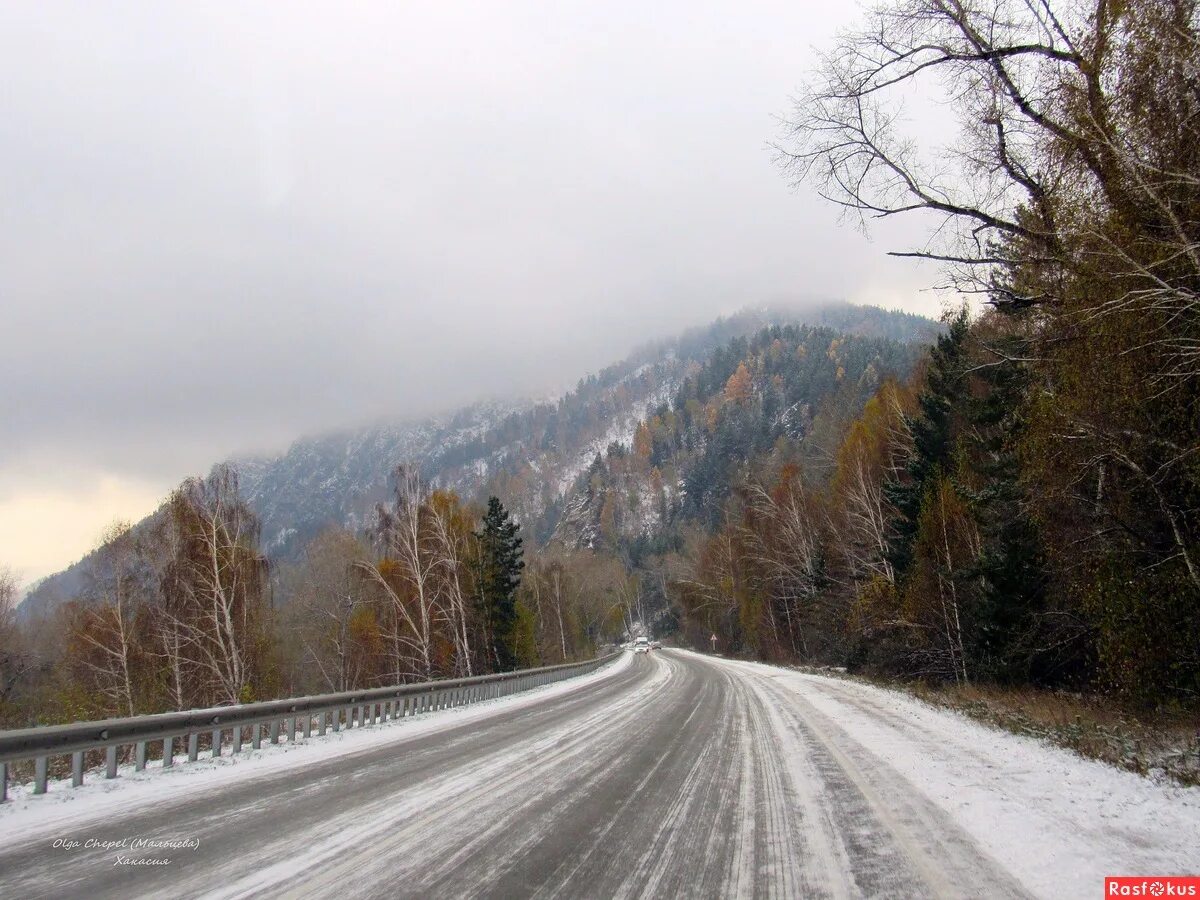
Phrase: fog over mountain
(215, 238)
(545, 458)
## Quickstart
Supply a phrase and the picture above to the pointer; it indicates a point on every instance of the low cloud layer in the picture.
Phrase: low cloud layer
(223, 228)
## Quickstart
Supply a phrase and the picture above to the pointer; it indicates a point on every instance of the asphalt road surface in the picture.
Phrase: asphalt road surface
(674, 776)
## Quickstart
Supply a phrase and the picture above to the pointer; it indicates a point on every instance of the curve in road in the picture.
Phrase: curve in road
(675, 775)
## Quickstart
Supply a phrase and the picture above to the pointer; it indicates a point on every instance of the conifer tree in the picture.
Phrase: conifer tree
(1011, 566)
(933, 443)
(500, 565)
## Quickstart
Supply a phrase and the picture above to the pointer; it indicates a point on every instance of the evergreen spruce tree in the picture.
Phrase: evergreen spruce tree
(933, 441)
(499, 577)
(1011, 566)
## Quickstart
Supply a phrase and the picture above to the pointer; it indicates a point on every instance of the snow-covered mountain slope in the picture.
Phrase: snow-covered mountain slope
(537, 457)
(337, 478)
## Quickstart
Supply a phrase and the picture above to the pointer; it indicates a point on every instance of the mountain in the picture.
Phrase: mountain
(555, 463)
(782, 395)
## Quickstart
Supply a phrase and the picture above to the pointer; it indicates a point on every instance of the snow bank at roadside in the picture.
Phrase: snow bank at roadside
(1057, 821)
(26, 815)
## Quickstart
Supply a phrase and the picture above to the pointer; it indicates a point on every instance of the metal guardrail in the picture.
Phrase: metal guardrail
(323, 712)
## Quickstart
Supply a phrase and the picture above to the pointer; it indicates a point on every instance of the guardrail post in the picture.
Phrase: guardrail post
(322, 715)
(39, 775)
(110, 769)
(291, 723)
(306, 726)
(77, 768)
(274, 731)
(168, 752)
(193, 746)
(256, 736)
(139, 757)
(235, 744)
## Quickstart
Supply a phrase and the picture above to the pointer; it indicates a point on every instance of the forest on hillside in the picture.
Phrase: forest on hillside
(1017, 502)
(1027, 508)
(188, 609)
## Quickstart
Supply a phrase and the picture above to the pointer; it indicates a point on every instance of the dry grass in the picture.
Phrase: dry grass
(1163, 745)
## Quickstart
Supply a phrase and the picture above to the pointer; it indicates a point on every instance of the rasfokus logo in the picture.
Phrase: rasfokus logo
(1152, 886)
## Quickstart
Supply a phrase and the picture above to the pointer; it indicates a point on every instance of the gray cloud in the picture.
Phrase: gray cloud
(224, 226)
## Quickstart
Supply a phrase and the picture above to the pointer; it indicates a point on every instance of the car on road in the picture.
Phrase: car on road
(641, 645)
(656, 645)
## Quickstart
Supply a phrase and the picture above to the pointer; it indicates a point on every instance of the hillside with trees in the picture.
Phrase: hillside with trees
(464, 563)
(1012, 499)
(1026, 510)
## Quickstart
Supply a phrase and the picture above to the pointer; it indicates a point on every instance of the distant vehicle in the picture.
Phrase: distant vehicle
(656, 645)
(641, 645)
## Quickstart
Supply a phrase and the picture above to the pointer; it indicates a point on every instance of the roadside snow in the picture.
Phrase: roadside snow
(1058, 822)
(26, 815)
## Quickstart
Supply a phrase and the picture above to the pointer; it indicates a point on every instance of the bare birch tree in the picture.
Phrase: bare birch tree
(406, 575)
(216, 587)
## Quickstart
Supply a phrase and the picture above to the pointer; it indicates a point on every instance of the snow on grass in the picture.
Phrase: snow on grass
(1058, 822)
(27, 815)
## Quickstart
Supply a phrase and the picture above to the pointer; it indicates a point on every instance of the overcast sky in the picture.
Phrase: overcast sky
(225, 226)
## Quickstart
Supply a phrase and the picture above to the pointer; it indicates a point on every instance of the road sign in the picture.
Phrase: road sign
(714, 642)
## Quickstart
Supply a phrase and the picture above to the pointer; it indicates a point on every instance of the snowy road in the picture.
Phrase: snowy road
(665, 775)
